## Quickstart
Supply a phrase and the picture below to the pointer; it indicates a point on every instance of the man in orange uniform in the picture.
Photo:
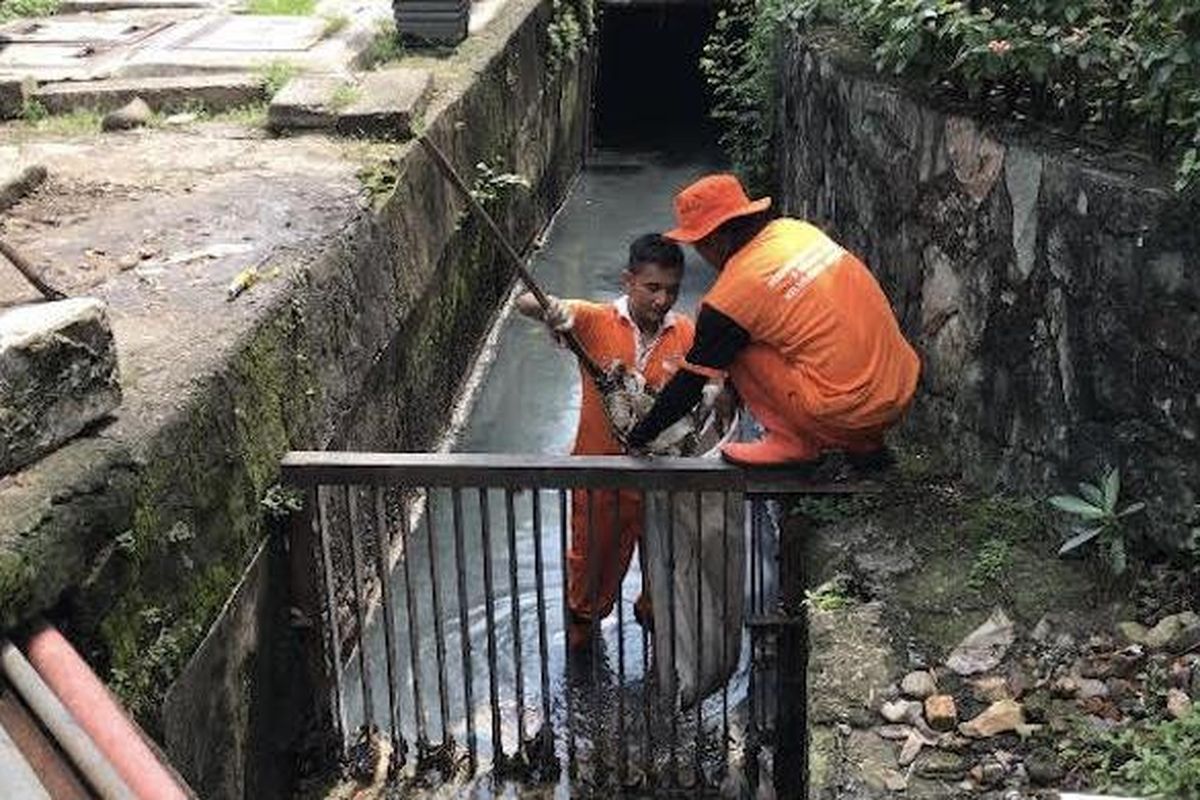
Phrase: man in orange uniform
(798, 323)
(640, 332)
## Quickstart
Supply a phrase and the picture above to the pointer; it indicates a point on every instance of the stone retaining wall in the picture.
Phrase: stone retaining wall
(148, 543)
(1054, 295)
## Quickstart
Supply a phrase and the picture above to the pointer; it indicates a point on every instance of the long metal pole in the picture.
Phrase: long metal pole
(30, 273)
(569, 337)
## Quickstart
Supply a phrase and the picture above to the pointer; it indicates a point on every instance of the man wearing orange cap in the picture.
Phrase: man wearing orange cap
(638, 331)
(798, 323)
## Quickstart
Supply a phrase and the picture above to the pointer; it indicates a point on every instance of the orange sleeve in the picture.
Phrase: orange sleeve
(587, 318)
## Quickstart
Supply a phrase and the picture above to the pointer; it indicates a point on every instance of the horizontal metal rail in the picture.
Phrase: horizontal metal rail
(521, 471)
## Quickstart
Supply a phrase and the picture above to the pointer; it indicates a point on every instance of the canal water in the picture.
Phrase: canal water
(528, 402)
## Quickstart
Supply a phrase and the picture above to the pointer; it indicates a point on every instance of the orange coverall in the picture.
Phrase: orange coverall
(600, 551)
(827, 365)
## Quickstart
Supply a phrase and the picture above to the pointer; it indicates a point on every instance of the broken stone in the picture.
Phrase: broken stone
(1043, 770)
(386, 103)
(133, 114)
(919, 684)
(18, 181)
(894, 781)
(1177, 633)
(988, 773)
(1041, 631)
(305, 103)
(1178, 703)
(985, 647)
(58, 374)
(1090, 687)
(893, 732)
(13, 94)
(1000, 717)
(990, 688)
(1135, 632)
(940, 712)
(910, 750)
(942, 765)
(900, 711)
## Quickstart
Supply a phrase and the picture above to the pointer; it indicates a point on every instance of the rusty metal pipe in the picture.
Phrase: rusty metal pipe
(90, 702)
(83, 752)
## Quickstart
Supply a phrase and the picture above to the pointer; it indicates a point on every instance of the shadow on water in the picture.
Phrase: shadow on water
(529, 402)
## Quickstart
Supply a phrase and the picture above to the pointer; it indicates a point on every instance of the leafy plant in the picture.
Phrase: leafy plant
(378, 180)
(384, 48)
(991, 563)
(492, 183)
(832, 595)
(275, 75)
(566, 35)
(291, 8)
(1099, 519)
(334, 24)
(280, 500)
(18, 9)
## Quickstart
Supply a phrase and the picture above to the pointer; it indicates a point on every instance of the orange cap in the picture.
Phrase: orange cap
(708, 203)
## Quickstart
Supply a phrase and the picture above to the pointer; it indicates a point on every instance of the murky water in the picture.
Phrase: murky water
(529, 402)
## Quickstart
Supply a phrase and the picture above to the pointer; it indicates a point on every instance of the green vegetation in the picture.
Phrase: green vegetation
(1154, 758)
(18, 9)
(566, 36)
(289, 8)
(1118, 70)
(280, 501)
(344, 96)
(740, 64)
(74, 123)
(275, 75)
(378, 179)
(252, 115)
(991, 564)
(334, 24)
(492, 183)
(832, 595)
(385, 46)
(1099, 520)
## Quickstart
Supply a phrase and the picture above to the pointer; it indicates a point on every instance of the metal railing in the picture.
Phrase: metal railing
(406, 662)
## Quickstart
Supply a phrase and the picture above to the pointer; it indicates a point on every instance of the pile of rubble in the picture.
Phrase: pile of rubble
(982, 718)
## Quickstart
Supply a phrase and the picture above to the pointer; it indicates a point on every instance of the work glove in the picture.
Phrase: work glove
(558, 316)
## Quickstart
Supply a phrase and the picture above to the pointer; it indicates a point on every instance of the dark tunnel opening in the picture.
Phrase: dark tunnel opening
(649, 91)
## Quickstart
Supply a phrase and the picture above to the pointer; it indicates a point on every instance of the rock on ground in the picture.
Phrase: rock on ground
(999, 717)
(133, 114)
(58, 374)
(918, 684)
(985, 647)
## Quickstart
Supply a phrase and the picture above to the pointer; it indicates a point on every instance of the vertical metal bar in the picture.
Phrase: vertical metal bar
(306, 583)
(464, 623)
(383, 548)
(648, 680)
(335, 635)
(699, 699)
(593, 588)
(752, 690)
(360, 610)
(725, 625)
(566, 614)
(414, 633)
(515, 593)
(622, 750)
(489, 604)
(439, 632)
(671, 701)
(543, 640)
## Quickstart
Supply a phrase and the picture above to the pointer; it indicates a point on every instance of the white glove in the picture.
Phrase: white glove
(558, 317)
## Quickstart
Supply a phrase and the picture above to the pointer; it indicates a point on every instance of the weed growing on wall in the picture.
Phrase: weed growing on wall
(740, 64)
(1127, 70)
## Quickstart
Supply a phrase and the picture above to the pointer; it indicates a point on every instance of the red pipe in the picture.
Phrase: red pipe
(90, 702)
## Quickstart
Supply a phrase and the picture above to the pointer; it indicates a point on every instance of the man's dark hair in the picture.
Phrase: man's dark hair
(652, 248)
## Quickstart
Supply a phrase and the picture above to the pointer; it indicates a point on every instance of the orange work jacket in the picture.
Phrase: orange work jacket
(798, 292)
(609, 334)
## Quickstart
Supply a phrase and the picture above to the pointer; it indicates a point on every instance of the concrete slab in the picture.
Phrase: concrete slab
(58, 375)
(163, 94)
(387, 102)
(256, 34)
(16, 181)
(306, 103)
(95, 6)
(13, 92)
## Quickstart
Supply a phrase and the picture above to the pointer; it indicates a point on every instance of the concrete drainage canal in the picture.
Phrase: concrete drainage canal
(447, 654)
